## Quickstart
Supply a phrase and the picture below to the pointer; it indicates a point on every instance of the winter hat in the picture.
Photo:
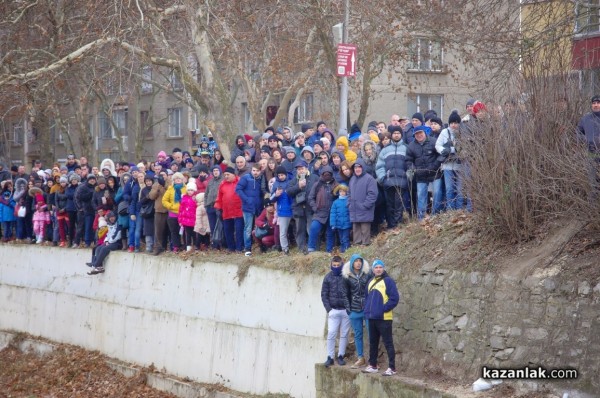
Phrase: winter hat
(596, 98)
(437, 120)
(177, 175)
(39, 199)
(273, 138)
(271, 129)
(92, 177)
(454, 118)
(305, 127)
(298, 135)
(147, 177)
(203, 169)
(63, 179)
(288, 149)
(392, 129)
(100, 180)
(430, 114)
(280, 170)
(161, 154)
(478, 107)
(230, 170)
(188, 160)
(471, 102)
(191, 185)
(419, 116)
(216, 166)
(378, 263)
(248, 137)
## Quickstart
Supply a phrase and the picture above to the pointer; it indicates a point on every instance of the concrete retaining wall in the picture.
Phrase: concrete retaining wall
(193, 321)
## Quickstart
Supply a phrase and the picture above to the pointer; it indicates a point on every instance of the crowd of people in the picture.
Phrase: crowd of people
(278, 189)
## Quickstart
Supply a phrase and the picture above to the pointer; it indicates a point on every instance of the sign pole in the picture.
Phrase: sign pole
(343, 120)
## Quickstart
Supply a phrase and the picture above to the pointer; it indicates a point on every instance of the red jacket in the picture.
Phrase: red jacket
(228, 201)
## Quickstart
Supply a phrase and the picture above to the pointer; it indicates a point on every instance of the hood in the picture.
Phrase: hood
(362, 162)
(342, 156)
(326, 169)
(366, 268)
(373, 157)
(344, 141)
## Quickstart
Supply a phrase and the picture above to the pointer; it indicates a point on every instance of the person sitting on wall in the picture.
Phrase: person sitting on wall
(112, 242)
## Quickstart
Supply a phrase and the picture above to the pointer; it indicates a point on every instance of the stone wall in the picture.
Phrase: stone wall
(455, 322)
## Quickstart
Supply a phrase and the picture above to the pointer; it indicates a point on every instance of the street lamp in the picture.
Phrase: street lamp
(340, 35)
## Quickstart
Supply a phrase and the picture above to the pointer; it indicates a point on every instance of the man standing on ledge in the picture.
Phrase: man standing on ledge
(332, 295)
(382, 298)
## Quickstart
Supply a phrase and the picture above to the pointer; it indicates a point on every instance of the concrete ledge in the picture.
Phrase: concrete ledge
(341, 382)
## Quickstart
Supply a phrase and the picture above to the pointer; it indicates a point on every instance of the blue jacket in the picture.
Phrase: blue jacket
(339, 215)
(134, 202)
(391, 168)
(249, 190)
(284, 201)
(7, 207)
(382, 297)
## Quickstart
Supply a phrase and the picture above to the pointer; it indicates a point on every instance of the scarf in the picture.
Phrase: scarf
(177, 188)
(337, 271)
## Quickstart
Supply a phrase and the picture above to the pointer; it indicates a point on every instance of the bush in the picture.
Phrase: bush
(528, 163)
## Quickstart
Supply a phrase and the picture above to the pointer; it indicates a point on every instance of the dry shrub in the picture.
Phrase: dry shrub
(528, 163)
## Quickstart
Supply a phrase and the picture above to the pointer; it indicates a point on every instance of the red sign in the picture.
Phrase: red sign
(346, 60)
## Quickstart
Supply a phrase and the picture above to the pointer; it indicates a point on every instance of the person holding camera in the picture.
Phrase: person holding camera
(298, 189)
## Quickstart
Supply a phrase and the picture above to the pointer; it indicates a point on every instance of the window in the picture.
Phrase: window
(426, 55)
(174, 122)
(247, 125)
(304, 112)
(587, 17)
(104, 127)
(424, 102)
(18, 133)
(146, 79)
(56, 132)
(119, 118)
(175, 82)
(146, 124)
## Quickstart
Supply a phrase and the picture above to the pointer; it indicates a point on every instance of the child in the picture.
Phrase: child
(333, 292)
(284, 206)
(202, 227)
(41, 216)
(187, 214)
(340, 216)
(112, 241)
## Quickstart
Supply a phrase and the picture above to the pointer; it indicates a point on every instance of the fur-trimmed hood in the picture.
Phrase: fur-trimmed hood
(110, 165)
(35, 191)
(346, 269)
(373, 158)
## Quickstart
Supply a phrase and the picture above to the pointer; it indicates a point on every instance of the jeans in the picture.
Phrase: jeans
(20, 227)
(212, 221)
(438, 196)
(315, 232)
(135, 228)
(233, 229)
(344, 235)
(380, 328)
(88, 223)
(248, 221)
(357, 319)
(7, 228)
(337, 320)
(302, 229)
(455, 199)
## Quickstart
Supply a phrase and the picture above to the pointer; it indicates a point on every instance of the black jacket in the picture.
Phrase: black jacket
(333, 291)
(424, 159)
(300, 206)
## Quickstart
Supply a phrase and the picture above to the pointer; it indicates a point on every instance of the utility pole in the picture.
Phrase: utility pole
(343, 120)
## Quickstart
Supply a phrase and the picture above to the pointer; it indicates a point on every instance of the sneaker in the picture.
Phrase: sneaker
(136, 250)
(130, 249)
(62, 244)
(248, 253)
(389, 372)
(360, 363)
(286, 252)
(340, 361)
(96, 270)
(328, 362)
(370, 369)
(89, 264)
